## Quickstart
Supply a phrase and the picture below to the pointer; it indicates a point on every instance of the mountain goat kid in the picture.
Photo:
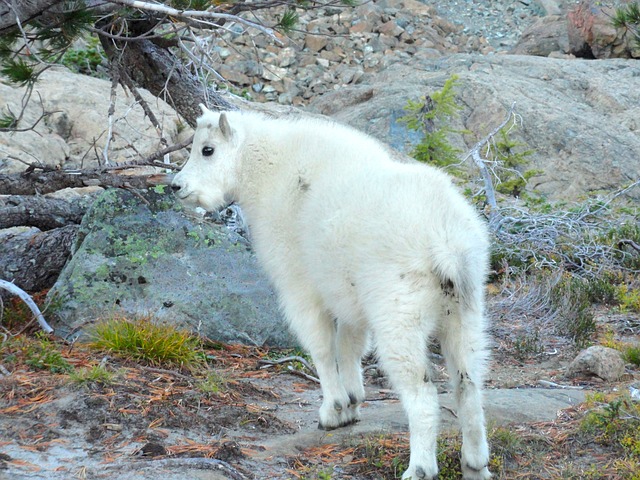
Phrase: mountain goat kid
(357, 244)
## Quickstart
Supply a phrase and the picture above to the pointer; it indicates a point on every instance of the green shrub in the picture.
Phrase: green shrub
(570, 297)
(631, 354)
(603, 289)
(616, 423)
(619, 238)
(512, 158)
(85, 60)
(628, 298)
(528, 345)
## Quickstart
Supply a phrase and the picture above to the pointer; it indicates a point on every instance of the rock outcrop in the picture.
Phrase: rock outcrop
(580, 117)
(592, 34)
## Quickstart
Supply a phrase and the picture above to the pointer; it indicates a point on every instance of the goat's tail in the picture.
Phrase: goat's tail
(461, 269)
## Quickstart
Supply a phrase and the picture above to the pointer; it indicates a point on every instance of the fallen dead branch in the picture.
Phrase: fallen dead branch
(266, 363)
(24, 296)
(33, 183)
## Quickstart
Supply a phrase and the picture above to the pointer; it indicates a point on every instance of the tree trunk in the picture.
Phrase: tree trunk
(41, 212)
(33, 259)
(163, 74)
(33, 183)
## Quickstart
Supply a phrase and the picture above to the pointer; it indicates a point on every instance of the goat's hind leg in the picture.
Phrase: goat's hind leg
(400, 335)
(463, 344)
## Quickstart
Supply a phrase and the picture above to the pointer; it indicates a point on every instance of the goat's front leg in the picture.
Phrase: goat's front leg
(316, 330)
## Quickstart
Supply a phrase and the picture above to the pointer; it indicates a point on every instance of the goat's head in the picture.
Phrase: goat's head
(210, 176)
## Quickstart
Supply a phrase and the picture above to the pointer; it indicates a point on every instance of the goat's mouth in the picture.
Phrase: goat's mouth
(207, 203)
(181, 194)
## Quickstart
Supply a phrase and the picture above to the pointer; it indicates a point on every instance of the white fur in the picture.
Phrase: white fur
(357, 244)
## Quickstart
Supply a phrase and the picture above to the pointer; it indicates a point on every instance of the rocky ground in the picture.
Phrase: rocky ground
(336, 46)
(260, 422)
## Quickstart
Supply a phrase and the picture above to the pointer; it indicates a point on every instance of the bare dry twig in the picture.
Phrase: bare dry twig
(294, 358)
(474, 153)
(24, 296)
(200, 15)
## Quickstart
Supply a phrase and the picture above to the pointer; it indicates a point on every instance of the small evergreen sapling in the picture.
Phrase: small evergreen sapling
(431, 116)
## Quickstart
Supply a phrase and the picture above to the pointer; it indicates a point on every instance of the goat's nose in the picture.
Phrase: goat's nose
(175, 187)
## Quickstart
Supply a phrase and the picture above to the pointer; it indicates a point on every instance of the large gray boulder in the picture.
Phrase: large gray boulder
(143, 256)
(579, 116)
(75, 131)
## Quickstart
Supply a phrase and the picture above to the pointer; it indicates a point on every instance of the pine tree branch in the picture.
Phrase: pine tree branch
(199, 15)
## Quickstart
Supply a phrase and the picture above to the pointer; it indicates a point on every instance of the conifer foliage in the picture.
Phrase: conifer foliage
(628, 17)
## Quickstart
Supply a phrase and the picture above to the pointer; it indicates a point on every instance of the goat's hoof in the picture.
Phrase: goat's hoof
(417, 473)
(344, 423)
(471, 473)
(338, 414)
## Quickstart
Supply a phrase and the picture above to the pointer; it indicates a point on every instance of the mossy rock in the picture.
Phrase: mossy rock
(141, 254)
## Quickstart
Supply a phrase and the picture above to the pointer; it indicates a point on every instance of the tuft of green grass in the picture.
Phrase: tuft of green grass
(146, 341)
(631, 354)
(91, 375)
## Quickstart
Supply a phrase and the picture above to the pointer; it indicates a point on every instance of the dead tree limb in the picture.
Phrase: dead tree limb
(32, 259)
(51, 181)
(24, 296)
(41, 212)
(631, 243)
(474, 153)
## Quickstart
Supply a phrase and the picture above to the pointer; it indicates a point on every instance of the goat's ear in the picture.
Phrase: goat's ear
(204, 108)
(225, 128)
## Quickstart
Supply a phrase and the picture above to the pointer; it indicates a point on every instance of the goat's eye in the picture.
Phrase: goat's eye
(207, 151)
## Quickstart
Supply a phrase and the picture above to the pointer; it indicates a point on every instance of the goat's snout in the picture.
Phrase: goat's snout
(175, 187)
